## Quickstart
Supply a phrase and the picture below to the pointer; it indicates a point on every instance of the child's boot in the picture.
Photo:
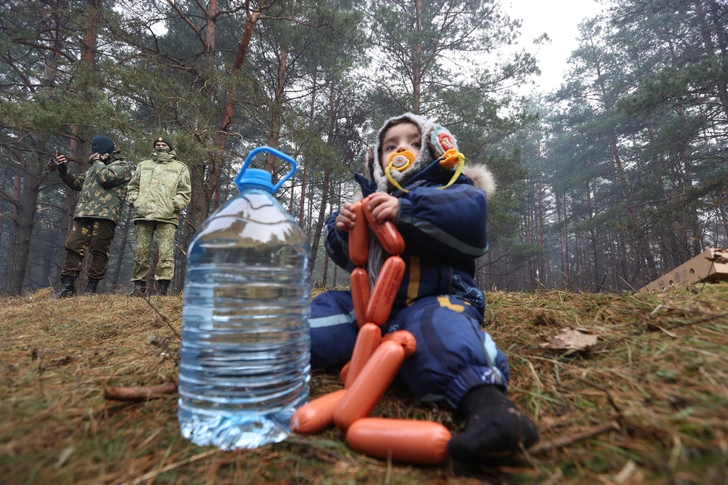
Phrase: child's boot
(495, 427)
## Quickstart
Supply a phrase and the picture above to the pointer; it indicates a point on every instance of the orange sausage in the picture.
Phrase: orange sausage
(316, 415)
(366, 341)
(386, 232)
(405, 339)
(373, 380)
(423, 442)
(385, 290)
(359, 282)
(359, 237)
(344, 372)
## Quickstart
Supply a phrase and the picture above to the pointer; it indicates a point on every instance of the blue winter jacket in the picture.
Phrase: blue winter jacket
(444, 232)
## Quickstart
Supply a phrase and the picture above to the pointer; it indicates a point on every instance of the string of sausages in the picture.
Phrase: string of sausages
(375, 362)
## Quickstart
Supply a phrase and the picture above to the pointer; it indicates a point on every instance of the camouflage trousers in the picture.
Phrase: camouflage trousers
(165, 244)
(94, 235)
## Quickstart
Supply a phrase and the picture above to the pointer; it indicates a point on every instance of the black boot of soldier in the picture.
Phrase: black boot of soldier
(91, 286)
(162, 287)
(140, 289)
(495, 428)
(68, 287)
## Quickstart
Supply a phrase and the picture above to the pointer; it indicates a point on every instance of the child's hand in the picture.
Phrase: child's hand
(384, 207)
(346, 219)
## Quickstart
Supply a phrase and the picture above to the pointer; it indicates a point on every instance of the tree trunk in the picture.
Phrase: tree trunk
(277, 112)
(3, 216)
(24, 205)
(417, 61)
(205, 178)
(543, 280)
(326, 184)
(309, 217)
(304, 176)
(594, 235)
(710, 51)
(562, 238)
(316, 238)
(114, 280)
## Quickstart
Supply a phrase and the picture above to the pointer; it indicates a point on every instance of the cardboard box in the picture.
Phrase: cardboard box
(708, 266)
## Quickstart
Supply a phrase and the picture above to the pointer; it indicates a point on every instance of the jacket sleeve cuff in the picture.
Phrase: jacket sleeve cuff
(405, 210)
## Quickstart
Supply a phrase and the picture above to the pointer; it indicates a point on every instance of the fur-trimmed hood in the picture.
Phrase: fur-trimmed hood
(481, 177)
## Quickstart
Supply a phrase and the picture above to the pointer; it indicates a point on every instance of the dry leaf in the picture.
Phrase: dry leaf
(572, 339)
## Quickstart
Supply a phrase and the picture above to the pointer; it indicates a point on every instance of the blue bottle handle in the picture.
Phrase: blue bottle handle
(275, 152)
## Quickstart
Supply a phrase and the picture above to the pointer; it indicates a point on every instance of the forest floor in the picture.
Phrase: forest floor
(647, 404)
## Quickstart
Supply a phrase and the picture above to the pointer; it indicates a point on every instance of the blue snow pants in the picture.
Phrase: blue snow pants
(453, 354)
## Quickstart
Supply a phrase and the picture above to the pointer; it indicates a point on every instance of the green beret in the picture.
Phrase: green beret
(164, 139)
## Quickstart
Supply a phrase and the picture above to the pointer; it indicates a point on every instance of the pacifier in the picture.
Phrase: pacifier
(401, 161)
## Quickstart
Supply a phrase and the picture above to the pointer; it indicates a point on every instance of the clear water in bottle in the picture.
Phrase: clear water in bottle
(245, 354)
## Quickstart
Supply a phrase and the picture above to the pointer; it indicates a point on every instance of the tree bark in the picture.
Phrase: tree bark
(24, 209)
(721, 84)
(543, 280)
(277, 112)
(417, 61)
(114, 281)
(205, 180)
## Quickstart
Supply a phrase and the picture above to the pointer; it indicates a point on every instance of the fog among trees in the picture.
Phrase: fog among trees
(605, 184)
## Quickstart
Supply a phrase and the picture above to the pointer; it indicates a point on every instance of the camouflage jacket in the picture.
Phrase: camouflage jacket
(103, 188)
(160, 188)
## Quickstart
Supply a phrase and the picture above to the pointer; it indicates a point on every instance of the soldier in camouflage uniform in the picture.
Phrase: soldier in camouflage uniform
(159, 190)
(103, 188)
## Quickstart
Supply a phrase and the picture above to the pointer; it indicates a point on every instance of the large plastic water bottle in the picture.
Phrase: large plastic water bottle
(245, 354)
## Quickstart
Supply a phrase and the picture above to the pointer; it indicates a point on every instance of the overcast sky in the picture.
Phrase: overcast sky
(559, 19)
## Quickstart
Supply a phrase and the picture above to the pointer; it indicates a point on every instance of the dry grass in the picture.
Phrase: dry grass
(660, 371)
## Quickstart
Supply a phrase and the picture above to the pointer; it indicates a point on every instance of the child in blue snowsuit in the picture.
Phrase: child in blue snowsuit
(441, 215)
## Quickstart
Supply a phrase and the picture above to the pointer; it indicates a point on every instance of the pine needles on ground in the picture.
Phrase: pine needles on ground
(648, 404)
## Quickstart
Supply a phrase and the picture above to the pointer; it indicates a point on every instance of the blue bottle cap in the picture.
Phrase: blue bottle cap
(255, 178)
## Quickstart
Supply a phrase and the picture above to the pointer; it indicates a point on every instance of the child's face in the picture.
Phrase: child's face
(401, 137)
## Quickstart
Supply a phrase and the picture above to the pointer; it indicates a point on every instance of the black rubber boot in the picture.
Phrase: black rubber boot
(68, 287)
(495, 428)
(91, 286)
(140, 289)
(162, 287)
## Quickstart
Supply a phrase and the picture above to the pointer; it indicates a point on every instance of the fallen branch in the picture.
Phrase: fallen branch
(184, 253)
(194, 229)
(574, 438)
(138, 394)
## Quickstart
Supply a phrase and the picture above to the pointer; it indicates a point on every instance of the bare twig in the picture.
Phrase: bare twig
(194, 229)
(138, 394)
(165, 319)
(601, 285)
(574, 438)
(627, 283)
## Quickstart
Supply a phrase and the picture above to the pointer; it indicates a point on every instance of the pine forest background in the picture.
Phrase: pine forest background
(605, 184)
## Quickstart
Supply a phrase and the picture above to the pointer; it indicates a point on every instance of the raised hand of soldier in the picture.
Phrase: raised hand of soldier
(59, 162)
